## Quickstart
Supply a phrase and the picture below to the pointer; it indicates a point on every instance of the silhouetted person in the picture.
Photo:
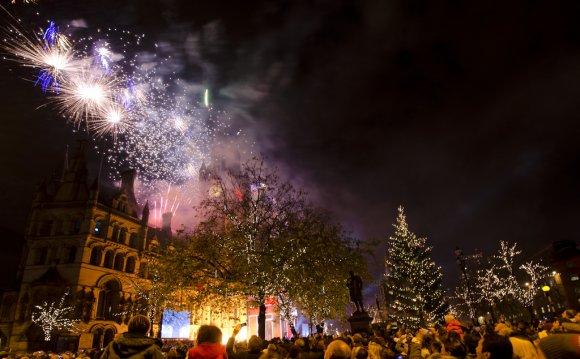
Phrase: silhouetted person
(134, 344)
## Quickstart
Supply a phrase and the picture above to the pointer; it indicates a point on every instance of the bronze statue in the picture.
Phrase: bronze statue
(354, 284)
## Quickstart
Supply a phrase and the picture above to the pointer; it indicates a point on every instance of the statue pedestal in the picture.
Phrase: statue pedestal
(360, 322)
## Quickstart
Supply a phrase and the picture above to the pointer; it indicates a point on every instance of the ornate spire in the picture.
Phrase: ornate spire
(74, 184)
(145, 213)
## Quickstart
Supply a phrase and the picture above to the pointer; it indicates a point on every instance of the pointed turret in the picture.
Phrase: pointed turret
(94, 190)
(65, 164)
(145, 213)
(74, 184)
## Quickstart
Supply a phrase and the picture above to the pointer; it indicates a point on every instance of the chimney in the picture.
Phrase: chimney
(127, 181)
(166, 222)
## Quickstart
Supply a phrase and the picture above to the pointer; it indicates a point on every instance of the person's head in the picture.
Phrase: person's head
(493, 346)
(453, 345)
(209, 334)
(471, 340)
(449, 317)
(255, 343)
(271, 352)
(359, 353)
(172, 354)
(338, 349)
(139, 324)
(426, 339)
(319, 345)
(294, 352)
(357, 339)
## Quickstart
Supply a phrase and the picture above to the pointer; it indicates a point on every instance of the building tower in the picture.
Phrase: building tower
(85, 241)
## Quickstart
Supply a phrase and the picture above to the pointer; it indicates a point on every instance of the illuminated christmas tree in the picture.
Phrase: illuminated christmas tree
(412, 280)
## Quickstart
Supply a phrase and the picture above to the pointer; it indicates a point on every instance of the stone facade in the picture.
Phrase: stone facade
(79, 241)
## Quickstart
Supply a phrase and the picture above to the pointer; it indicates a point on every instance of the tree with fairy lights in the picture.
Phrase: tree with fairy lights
(527, 294)
(52, 317)
(259, 238)
(490, 290)
(317, 273)
(153, 293)
(504, 282)
(412, 280)
(463, 301)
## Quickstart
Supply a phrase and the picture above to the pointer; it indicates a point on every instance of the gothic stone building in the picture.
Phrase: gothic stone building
(80, 241)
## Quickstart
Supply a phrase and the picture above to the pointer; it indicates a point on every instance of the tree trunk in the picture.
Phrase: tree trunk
(291, 324)
(293, 329)
(262, 321)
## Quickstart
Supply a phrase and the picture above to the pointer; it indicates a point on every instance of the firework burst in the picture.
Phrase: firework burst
(85, 95)
(52, 55)
(113, 120)
(101, 84)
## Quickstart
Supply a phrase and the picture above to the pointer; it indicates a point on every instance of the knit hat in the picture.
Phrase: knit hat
(561, 346)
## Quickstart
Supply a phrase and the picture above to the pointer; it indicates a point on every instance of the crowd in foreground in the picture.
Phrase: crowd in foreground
(557, 339)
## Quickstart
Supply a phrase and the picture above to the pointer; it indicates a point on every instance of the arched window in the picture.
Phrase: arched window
(115, 236)
(41, 255)
(108, 262)
(123, 235)
(23, 307)
(71, 255)
(8, 308)
(96, 256)
(97, 338)
(98, 230)
(130, 265)
(109, 298)
(119, 261)
(133, 240)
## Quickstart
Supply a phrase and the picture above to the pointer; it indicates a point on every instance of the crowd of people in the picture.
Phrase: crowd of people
(557, 339)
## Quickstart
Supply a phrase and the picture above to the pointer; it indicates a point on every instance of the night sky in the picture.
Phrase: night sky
(465, 114)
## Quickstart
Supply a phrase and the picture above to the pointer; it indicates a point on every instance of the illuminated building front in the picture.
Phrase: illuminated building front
(96, 244)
